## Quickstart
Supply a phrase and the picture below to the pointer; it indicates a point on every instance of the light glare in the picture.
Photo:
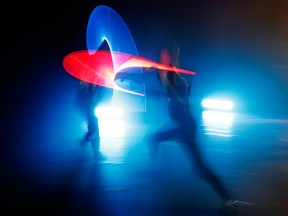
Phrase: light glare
(108, 112)
(218, 117)
(217, 104)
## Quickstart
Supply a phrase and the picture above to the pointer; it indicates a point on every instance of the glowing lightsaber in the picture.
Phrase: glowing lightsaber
(101, 67)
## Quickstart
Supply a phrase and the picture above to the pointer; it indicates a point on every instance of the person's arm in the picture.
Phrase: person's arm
(178, 80)
(122, 76)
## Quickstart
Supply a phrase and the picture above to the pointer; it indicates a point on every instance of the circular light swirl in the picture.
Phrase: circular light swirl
(100, 66)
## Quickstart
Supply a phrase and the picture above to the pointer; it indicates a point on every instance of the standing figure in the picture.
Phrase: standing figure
(183, 128)
(88, 97)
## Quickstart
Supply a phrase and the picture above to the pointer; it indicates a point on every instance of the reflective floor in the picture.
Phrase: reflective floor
(52, 174)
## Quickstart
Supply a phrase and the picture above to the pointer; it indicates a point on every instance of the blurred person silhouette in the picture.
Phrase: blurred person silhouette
(87, 98)
(182, 129)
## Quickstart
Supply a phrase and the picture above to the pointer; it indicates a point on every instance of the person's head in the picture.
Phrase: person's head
(165, 57)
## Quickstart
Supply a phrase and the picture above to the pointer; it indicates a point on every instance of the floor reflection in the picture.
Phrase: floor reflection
(218, 123)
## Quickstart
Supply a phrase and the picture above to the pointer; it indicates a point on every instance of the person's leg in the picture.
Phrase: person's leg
(92, 126)
(165, 133)
(94, 136)
(204, 171)
(229, 203)
(192, 150)
(153, 141)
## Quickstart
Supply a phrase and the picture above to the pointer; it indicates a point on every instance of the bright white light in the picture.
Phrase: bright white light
(108, 112)
(218, 123)
(217, 104)
(218, 117)
(111, 128)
